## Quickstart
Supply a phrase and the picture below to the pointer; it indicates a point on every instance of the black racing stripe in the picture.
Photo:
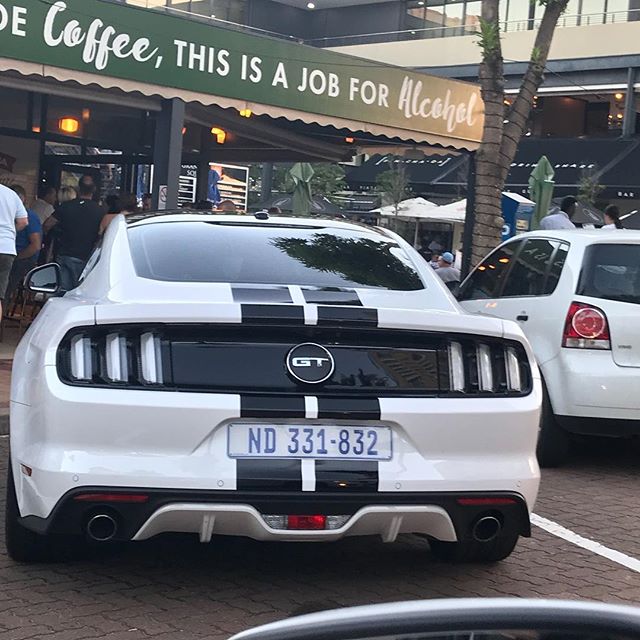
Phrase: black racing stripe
(362, 317)
(271, 295)
(325, 296)
(272, 406)
(268, 475)
(349, 408)
(347, 475)
(272, 314)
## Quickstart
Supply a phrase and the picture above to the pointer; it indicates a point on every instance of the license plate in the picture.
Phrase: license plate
(291, 441)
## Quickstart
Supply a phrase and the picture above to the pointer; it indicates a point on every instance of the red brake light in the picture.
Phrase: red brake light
(135, 498)
(485, 502)
(586, 327)
(307, 523)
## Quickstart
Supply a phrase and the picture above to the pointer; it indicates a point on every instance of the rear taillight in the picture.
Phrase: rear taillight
(112, 356)
(586, 327)
(476, 366)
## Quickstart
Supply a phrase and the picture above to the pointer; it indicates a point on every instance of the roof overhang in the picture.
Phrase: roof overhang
(172, 57)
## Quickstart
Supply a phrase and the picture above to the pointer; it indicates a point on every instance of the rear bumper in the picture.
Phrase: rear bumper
(589, 384)
(437, 515)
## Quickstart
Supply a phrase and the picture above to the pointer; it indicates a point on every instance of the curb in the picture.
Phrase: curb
(4, 424)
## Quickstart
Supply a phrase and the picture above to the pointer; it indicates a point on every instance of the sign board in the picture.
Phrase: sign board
(188, 185)
(162, 197)
(146, 46)
(229, 182)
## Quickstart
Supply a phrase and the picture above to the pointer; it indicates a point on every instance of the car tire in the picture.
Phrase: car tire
(471, 551)
(553, 441)
(23, 545)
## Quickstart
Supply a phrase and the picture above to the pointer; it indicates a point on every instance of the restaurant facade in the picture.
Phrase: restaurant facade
(134, 96)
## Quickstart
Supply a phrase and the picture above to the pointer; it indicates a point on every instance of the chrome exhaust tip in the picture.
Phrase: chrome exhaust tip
(486, 529)
(102, 528)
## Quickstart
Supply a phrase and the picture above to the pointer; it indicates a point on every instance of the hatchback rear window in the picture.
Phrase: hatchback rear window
(269, 254)
(611, 272)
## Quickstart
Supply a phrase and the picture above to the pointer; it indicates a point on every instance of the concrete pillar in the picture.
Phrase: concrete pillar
(167, 152)
(630, 117)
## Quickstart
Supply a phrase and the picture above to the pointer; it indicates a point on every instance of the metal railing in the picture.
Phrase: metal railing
(578, 20)
(575, 20)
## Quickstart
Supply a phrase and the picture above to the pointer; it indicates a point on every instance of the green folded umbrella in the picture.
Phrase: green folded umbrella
(541, 190)
(301, 174)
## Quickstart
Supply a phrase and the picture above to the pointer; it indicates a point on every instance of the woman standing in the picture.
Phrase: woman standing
(127, 203)
(612, 218)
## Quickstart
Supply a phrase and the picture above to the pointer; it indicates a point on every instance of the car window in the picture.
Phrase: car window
(486, 281)
(555, 270)
(611, 272)
(529, 270)
(197, 251)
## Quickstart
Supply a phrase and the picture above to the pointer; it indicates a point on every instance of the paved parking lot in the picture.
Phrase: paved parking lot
(176, 588)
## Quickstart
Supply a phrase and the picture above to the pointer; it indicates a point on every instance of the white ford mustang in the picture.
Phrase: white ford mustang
(281, 379)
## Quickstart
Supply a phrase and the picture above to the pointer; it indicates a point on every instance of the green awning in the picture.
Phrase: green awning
(139, 50)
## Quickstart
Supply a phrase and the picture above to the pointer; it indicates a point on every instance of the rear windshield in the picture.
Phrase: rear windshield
(611, 272)
(269, 254)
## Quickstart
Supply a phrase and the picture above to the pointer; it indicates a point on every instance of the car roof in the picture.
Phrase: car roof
(188, 215)
(586, 236)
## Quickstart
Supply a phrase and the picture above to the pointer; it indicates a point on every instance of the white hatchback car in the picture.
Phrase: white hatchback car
(576, 295)
(281, 379)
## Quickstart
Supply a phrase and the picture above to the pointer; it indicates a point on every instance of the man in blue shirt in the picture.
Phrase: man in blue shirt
(28, 245)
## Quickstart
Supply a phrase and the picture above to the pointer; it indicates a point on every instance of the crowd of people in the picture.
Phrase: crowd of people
(62, 225)
(562, 218)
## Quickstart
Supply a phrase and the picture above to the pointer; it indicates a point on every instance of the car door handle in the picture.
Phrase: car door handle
(523, 317)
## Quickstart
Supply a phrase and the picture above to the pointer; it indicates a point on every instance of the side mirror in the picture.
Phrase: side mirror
(44, 279)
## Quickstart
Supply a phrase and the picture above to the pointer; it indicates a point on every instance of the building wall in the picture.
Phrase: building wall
(569, 43)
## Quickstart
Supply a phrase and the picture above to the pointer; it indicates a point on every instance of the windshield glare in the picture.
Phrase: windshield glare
(269, 254)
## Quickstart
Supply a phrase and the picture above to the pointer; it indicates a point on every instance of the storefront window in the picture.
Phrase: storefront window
(593, 12)
(14, 109)
(617, 10)
(454, 16)
(518, 14)
(473, 13)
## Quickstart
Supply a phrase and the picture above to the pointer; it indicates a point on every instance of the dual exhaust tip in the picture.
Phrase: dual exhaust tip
(102, 527)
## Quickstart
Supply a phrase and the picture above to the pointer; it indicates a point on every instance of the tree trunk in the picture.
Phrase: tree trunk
(501, 136)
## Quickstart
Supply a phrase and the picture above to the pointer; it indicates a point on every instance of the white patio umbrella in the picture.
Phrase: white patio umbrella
(411, 208)
(453, 212)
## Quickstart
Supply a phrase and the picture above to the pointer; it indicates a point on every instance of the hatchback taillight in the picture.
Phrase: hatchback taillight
(586, 327)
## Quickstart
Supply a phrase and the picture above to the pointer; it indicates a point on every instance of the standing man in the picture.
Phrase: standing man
(28, 246)
(13, 217)
(44, 205)
(447, 272)
(561, 219)
(79, 223)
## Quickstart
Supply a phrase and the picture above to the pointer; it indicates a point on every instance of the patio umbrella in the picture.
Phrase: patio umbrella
(541, 190)
(301, 174)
